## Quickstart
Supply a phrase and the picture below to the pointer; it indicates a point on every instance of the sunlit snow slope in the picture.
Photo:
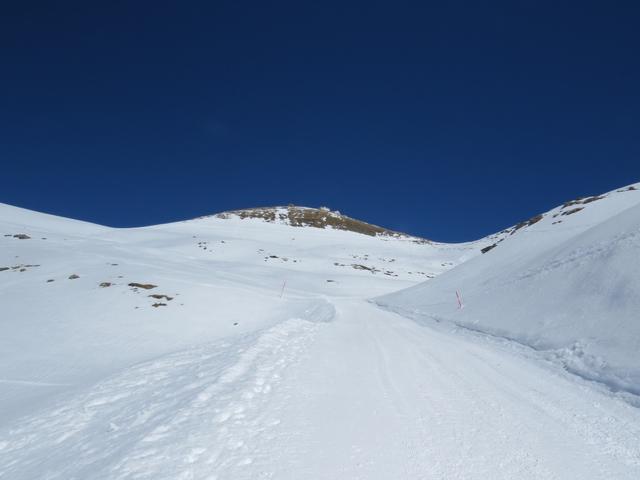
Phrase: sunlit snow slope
(568, 284)
(213, 277)
(244, 346)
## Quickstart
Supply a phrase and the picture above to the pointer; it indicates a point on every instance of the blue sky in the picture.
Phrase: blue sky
(449, 120)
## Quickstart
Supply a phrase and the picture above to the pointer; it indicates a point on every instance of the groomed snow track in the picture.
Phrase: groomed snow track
(342, 389)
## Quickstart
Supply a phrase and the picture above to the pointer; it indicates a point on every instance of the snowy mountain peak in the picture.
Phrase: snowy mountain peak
(323, 217)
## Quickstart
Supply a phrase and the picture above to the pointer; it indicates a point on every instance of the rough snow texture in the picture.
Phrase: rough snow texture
(234, 348)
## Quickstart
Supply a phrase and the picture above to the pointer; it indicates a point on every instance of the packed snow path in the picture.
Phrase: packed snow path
(347, 391)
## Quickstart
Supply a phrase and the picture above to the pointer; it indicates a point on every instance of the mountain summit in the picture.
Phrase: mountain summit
(322, 217)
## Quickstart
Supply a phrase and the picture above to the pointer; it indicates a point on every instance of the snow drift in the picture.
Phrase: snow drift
(567, 282)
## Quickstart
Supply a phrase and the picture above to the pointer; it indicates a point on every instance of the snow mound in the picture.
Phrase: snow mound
(567, 283)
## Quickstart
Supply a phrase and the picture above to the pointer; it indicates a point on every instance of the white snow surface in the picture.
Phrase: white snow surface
(570, 289)
(266, 360)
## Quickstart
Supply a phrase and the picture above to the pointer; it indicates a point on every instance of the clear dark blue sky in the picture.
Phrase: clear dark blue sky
(449, 120)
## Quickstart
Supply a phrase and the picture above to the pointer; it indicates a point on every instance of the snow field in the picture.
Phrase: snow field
(212, 370)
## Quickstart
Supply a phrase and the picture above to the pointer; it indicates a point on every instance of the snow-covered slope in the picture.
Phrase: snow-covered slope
(566, 282)
(242, 345)
(214, 277)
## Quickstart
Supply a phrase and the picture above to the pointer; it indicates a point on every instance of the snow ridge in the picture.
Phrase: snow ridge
(204, 405)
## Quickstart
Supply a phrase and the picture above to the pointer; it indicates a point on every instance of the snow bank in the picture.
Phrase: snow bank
(568, 284)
